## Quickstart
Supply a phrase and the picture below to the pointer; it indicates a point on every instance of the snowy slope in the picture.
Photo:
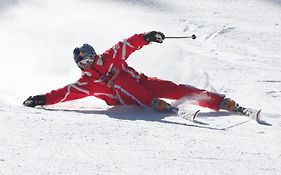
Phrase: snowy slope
(237, 53)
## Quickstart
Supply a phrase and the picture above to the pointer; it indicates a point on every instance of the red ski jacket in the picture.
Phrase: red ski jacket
(130, 87)
(94, 82)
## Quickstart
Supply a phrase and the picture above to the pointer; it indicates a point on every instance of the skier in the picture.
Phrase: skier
(107, 76)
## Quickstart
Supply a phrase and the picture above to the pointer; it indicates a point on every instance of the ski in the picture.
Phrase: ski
(251, 113)
(184, 113)
(188, 114)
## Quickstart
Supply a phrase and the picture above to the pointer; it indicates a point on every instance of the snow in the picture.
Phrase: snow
(237, 52)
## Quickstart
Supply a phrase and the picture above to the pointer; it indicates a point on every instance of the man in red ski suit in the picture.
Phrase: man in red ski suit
(107, 76)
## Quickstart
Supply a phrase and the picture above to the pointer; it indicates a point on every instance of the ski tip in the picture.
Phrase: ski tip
(258, 116)
(195, 115)
(260, 121)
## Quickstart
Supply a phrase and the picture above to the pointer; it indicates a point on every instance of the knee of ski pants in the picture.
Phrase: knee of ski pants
(213, 101)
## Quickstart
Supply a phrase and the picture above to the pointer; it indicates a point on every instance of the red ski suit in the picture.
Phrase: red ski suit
(130, 87)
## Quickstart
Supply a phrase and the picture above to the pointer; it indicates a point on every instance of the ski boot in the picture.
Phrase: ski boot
(161, 105)
(231, 106)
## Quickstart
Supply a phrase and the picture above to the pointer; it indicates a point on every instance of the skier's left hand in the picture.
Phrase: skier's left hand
(115, 72)
(154, 36)
(33, 101)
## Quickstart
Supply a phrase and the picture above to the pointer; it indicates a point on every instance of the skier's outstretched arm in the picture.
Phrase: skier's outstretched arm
(122, 50)
(70, 92)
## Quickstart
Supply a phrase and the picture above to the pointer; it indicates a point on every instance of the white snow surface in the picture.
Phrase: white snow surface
(237, 53)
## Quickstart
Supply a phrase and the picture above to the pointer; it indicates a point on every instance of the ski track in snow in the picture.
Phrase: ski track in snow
(237, 52)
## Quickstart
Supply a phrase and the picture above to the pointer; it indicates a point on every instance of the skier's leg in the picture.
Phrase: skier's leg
(130, 91)
(165, 89)
(170, 90)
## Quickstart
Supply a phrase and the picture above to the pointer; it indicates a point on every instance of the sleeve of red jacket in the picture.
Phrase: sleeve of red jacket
(70, 92)
(122, 50)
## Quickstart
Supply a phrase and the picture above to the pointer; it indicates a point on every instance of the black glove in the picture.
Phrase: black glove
(154, 36)
(33, 101)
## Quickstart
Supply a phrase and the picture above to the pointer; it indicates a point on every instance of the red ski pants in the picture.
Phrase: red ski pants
(144, 90)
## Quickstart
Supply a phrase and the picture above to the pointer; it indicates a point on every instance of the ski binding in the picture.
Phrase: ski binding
(252, 113)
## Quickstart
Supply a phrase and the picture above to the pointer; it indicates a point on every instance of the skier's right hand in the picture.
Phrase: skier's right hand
(154, 36)
(110, 84)
(33, 101)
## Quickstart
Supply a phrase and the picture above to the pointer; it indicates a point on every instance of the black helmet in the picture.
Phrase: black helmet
(83, 52)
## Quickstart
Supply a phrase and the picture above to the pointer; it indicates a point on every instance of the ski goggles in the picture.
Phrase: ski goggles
(84, 62)
(80, 55)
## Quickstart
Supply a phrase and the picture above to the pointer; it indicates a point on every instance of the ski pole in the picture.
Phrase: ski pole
(180, 37)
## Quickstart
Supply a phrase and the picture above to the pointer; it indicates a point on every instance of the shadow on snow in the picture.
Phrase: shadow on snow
(134, 113)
